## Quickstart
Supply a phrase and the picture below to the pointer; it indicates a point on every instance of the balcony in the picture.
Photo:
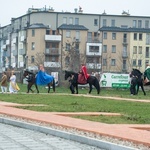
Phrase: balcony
(52, 64)
(93, 65)
(51, 51)
(22, 52)
(22, 39)
(7, 42)
(15, 52)
(14, 41)
(94, 49)
(4, 47)
(56, 38)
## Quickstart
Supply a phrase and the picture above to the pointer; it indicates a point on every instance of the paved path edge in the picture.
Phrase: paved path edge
(65, 135)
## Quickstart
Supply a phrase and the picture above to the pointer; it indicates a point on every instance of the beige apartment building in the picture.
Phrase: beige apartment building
(63, 40)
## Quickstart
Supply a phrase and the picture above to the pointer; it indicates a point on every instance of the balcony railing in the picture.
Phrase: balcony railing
(52, 51)
(93, 40)
(52, 64)
(93, 65)
(53, 38)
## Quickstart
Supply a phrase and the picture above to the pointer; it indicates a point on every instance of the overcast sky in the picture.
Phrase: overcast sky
(16, 8)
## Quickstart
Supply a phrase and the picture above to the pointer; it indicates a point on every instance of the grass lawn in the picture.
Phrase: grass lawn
(132, 112)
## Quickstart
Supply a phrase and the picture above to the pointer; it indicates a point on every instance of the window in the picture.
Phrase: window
(47, 59)
(67, 61)
(70, 20)
(95, 35)
(77, 46)
(139, 23)
(140, 36)
(64, 20)
(147, 52)
(53, 45)
(140, 50)
(124, 51)
(104, 48)
(147, 38)
(139, 63)
(104, 62)
(32, 59)
(94, 49)
(146, 62)
(134, 49)
(105, 35)
(67, 47)
(89, 36)
(53, 32)
(33, 46)
(77, 35)
(76, 21)
(135, 36)
(134, 23)
(113, 36)
(146, 23)
(134, 62)
(124, 64)
(68, 33)
(113, 48)
(104, 22)
(113, 23)
(113, 62)
(125, 37)
(53, 59)
(33, 32)
(95, 22)
(47, 32)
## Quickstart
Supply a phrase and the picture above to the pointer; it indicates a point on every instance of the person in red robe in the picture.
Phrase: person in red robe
(83, 75)
(84, 71)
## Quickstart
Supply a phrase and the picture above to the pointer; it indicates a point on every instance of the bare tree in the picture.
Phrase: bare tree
(72, 56)
(39, 59)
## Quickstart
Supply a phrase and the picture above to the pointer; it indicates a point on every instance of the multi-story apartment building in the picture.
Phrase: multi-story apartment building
(108, 43)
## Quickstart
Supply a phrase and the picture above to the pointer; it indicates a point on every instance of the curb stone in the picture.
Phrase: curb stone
(66, 135)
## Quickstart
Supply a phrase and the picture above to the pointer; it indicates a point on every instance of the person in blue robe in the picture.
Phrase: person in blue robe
(42, 78)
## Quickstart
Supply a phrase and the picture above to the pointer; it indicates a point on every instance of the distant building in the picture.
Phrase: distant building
(106, 43)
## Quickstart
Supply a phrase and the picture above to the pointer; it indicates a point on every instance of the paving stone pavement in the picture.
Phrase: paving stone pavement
(14, 138)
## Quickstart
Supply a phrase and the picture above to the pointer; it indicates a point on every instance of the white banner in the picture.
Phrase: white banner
(115, 80)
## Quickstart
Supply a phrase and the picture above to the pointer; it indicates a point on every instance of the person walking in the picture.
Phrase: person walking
(12, 85)
(4, 83)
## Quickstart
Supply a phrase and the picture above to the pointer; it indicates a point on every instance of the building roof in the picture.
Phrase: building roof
(37, 26)
(119, 29)
(72, 27)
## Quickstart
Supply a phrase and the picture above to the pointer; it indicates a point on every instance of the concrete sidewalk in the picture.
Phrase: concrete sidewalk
(138, 134)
